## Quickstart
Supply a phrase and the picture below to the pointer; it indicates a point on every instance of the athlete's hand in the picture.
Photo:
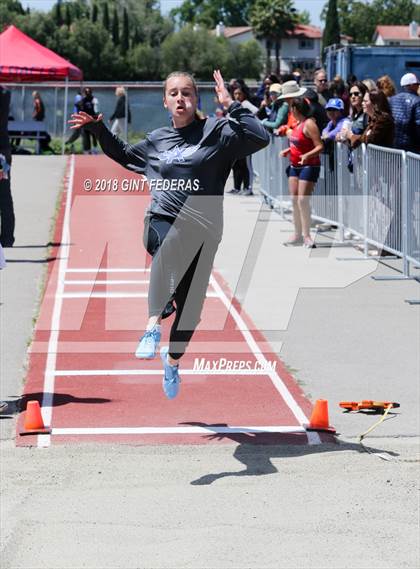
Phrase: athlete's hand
(222, 93)
(303, 159)
(81, 119)
(284, 153)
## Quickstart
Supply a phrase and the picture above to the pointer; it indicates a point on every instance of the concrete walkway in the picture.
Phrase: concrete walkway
(343, 335)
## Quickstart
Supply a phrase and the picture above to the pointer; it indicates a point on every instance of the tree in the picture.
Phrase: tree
(144, 63)
(105, 17)
(115, 27)
(94, 13)
(247, 60)
(125, 38)
(210, 12)
(197, 51)
(89, 46)
(13, 6)
(58, 15)
(67, 15)
(271, 20)
(303, 17)
(9, 12)
(331, 33)
(358, 18)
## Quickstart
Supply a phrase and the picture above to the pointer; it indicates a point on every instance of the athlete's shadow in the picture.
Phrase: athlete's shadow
(19, 405)
(47, 260)
(255, 450)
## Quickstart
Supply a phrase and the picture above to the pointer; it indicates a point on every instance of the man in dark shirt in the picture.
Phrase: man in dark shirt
(321, 86)
(7, 215)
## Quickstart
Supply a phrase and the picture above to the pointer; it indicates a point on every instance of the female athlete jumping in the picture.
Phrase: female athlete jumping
(186, 165)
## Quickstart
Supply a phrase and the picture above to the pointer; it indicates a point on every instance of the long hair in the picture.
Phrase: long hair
(354, 113)
(386, 85)
(302, 106)
(380, 103)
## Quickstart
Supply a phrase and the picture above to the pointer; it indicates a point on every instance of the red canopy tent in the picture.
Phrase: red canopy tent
(22, 59)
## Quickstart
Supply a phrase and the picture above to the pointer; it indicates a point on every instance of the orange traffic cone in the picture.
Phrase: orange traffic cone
(34, 424)
(319, 419)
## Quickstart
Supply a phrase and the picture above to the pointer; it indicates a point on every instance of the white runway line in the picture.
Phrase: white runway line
(105, 282)
(50, 373)
(112, 270)
(173, 430)
(275, 378)
(116, 295)
(115, 372)
(63, 254)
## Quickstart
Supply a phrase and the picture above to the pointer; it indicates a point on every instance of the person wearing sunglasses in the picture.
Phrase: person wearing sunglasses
(321, 86)
(358, 119)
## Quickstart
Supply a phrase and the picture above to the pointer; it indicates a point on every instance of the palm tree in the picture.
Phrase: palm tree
(271, 19)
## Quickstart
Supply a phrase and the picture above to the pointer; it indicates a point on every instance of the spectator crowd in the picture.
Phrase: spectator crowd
(352, 112)
(313, 119)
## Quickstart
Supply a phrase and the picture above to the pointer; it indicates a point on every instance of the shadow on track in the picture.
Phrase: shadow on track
(255, 451)
(18, 405)
(47, 260)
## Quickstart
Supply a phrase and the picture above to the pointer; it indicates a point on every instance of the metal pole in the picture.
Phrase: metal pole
(405, 216)
(66, 98)
(126, 115)
(23, 103)
(55, 111)
(365, 198)
(340, 193)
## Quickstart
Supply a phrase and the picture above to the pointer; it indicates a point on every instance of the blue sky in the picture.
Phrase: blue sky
(314, 7)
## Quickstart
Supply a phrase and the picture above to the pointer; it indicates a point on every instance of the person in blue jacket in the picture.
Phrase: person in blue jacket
(405, 109)
(335, 112)
(186, 165)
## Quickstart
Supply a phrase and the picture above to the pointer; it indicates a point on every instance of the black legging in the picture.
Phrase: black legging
(183, 255)
(240, 174)
(243, 173)
(7, 215)
(86, 139)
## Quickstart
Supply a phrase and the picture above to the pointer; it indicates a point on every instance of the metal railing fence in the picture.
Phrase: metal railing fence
(376, 199)
(413, 208)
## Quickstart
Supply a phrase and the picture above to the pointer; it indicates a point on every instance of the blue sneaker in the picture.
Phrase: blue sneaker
(171, 379)
(148, 345)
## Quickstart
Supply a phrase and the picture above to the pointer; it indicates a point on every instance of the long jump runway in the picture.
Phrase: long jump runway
(82, 367)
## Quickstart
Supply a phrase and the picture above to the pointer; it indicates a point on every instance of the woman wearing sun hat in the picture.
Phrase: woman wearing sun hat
(290, 89)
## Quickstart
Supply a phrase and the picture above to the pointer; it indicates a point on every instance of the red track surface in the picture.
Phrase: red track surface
(82, 368)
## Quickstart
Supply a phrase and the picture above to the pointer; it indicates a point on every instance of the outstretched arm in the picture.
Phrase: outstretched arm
(132, 157)
(222, 93)
(243, 134)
